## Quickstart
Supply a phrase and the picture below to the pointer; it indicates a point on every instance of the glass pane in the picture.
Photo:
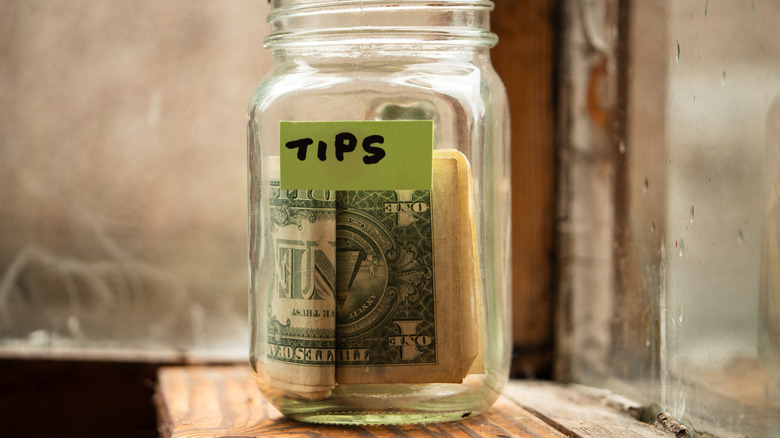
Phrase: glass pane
(723, 77)
(679, 307)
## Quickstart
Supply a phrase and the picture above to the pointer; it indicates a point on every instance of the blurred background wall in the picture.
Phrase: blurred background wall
(122, 175)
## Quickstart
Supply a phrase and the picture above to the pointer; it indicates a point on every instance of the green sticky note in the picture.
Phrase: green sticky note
(357, 155)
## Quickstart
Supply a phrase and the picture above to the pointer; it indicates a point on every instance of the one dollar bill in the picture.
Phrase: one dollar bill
(301, 318)
(375, 286)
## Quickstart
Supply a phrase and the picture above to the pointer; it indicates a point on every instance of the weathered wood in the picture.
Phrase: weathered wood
(199, 402)
(589, 148)
(579, 411)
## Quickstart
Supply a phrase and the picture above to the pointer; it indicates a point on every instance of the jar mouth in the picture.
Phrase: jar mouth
(328, 22)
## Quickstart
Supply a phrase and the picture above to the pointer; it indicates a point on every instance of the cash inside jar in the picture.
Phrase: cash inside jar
(374, 286)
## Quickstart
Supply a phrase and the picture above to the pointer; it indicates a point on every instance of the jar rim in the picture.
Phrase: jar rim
(336, 22)
(407, 37)
(279, 8)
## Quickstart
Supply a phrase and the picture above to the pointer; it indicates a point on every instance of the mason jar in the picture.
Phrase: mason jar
(379, 213)
(769, 285)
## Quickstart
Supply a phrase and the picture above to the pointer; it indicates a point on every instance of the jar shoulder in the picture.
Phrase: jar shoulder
(334, 85)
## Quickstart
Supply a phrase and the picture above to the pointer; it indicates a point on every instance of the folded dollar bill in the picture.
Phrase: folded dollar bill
(375, 286)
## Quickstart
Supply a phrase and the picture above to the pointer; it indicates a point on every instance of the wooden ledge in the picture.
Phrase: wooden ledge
(199, 402)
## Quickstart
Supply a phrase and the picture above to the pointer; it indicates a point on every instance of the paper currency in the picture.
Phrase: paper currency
(301, 320)
(375, 286)
(398, 310)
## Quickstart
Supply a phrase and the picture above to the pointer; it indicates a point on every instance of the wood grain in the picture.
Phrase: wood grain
(524, 58)
(579, 411)
(200, 402)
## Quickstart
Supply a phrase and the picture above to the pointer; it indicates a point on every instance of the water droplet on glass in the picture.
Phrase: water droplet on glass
(682, 247)
(622, 147)
(740, 237)
(723, 78)
(680, 314)
(691, 213)
(678, 51)
(646, 185)
(652, 227)
(706, 6)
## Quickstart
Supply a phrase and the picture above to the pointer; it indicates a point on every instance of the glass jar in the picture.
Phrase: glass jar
(769, 297)
(369, 305)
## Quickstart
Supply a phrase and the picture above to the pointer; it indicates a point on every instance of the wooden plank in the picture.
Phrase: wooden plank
(524, 58)
(579, 411)
(589, 148)
(199, 402)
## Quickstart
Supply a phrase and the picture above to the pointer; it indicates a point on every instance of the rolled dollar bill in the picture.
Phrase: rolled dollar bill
(301, 315)
(374, 286)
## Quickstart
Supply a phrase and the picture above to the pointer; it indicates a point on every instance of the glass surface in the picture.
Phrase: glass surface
(687, 317)
(416, 62)
(721, 86)
(769, 284)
